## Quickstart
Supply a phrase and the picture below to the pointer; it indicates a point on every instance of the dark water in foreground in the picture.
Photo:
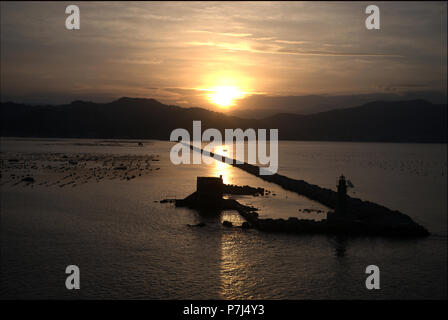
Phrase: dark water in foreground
(128, 246)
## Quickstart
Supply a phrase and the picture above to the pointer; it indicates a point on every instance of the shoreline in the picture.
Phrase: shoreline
(24, 138)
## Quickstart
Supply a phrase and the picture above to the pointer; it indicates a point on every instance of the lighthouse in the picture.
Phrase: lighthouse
(341, 206)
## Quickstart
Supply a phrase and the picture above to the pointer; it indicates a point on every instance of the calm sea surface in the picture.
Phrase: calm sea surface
(129, 246)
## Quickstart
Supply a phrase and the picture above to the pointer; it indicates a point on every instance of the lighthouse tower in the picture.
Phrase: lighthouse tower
(341, 206)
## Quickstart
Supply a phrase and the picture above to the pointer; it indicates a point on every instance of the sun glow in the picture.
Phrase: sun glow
(225, 96)
(221, 168)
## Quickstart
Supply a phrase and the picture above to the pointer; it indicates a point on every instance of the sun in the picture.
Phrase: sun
(225, 96)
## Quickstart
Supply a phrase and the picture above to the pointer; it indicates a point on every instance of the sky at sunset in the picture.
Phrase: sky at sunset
(212, 54)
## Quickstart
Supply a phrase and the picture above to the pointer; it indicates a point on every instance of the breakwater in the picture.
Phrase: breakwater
(366, 217)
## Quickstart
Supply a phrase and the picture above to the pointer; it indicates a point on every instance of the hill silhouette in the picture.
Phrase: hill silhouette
(137, 118)
(382, 121)
(261, 106)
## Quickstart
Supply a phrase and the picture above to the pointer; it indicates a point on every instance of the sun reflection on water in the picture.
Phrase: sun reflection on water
(236, 279)
(220, 168)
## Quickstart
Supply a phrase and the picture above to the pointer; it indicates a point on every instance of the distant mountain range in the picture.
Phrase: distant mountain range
(260, 106)
(381, 121)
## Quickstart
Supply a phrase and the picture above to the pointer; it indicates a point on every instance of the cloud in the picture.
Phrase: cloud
(402, 86)
(291, 42)
(333, 53)
(228, 34)
(136, 61)
(284, 50)
(224, 45)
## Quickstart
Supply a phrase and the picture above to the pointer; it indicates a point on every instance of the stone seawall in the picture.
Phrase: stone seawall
(368, 217)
